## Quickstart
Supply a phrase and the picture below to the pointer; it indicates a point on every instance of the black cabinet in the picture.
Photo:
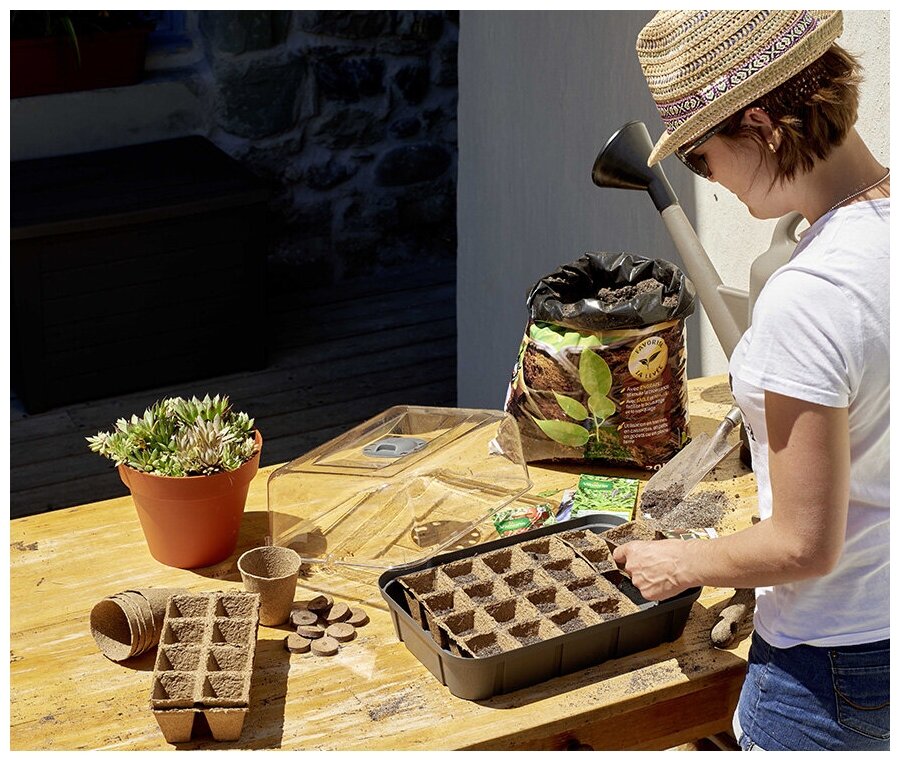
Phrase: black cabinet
(134, 268)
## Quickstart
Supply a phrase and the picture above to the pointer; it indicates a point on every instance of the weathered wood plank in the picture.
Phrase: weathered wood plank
(390, 340)
(333, 376)
(287, 437)
(321, 405)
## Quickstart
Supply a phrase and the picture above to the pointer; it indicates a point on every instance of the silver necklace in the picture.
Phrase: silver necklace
(860, 192)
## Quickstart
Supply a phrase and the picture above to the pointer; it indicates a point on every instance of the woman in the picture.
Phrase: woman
(764, 103)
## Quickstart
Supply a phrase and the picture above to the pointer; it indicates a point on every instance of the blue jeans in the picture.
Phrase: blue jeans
(816, 698)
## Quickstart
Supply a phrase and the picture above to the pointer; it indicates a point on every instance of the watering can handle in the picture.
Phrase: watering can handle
(784, 240)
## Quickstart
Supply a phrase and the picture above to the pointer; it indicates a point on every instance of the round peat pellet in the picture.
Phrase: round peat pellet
(303, 618)
(294, 643)
(339, 612)
(358, 617)
(341, 632)
(311, 632)
(320, 604)
(325, 646)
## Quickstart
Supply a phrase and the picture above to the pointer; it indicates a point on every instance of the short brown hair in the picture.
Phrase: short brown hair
(813, 112)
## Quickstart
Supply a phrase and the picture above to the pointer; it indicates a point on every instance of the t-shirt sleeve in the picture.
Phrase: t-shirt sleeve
(804, 340)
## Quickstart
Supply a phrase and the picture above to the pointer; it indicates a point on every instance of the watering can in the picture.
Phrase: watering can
(622, 163)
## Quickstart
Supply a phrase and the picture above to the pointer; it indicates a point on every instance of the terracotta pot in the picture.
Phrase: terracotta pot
(193, 521)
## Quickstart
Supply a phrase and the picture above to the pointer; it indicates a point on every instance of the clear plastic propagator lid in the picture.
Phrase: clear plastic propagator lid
(399, 488)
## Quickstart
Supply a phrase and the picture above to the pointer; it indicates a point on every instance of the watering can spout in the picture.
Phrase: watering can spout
(622, 163)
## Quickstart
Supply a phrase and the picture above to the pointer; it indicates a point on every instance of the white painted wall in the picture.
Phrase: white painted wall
(733, 238)
(540, 93)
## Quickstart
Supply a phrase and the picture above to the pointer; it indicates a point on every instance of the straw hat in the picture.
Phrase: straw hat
(704, 66)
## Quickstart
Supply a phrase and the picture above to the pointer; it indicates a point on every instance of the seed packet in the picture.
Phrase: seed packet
(599, 494)
(515, 520)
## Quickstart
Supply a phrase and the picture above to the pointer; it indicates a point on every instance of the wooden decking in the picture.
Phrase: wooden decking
(337, 356)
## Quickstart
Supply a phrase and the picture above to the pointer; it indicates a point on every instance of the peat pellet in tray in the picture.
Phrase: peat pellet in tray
(593, 588)
(530, 632)
(565, 570)
(629, 532)
(320, 604)
(468, 623)
(425, 582)
(511, 610)
(550, 599)
(462, 572)
(573, 619)
(506, 560)
(486, 592)
(311, 632)
(325, 646)
(342, 632)
(599, 558)
(547, 548)
(578, 538)
(358, 617)
(303, 618)
(492, 643)
(526, 580)
(609, 608)
(338, 612)
(294, 643)
(442, 603)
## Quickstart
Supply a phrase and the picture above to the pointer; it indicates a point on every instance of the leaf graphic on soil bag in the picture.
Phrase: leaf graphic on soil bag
(572, 407)
(602, 407)
(569, 434)
(594, 373)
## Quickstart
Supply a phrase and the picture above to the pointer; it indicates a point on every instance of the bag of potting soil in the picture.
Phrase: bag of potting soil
(602, 368)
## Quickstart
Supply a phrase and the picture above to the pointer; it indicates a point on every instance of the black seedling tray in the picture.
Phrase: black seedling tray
(477, 678)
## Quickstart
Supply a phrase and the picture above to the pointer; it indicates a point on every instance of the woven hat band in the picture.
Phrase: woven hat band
(676, 112)
(703, 66)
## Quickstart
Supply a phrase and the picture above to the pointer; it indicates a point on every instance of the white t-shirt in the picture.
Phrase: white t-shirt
(820, 332)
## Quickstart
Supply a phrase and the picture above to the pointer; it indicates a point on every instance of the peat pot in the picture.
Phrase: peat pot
(191, 521)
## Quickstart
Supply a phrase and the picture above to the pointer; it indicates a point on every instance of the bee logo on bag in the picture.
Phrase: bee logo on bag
(648, 359)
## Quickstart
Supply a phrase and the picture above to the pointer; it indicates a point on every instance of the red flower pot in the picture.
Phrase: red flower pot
(192, 521)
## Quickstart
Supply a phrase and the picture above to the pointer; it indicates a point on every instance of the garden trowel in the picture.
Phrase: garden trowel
(684, 471)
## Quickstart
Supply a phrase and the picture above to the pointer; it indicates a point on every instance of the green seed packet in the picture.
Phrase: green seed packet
(600, 494)
(515, 520)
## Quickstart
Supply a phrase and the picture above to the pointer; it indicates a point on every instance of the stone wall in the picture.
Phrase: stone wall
(352, 115)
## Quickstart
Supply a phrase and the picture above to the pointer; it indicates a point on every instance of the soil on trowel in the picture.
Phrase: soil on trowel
(613, 296)
(704, 509)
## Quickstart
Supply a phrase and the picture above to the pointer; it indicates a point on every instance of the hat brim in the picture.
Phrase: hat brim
(791, 63)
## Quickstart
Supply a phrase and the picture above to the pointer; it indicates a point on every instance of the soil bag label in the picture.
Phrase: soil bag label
(601, 370)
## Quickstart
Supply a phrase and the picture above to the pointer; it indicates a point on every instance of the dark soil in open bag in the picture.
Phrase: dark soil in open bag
(601, 372)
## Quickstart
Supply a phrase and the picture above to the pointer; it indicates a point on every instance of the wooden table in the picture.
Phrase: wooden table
(374, 695)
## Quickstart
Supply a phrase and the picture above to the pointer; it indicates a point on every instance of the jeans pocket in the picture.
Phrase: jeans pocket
(862, 691)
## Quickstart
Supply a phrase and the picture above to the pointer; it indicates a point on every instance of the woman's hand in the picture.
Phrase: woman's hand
(656, 568)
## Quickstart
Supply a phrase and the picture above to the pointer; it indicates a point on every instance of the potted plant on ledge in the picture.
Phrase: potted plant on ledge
(63, 51)
(188, 464)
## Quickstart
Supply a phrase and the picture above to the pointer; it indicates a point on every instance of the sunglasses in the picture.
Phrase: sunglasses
(697, 164)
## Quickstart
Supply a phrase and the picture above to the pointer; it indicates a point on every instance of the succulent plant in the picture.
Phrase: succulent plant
(180, 437)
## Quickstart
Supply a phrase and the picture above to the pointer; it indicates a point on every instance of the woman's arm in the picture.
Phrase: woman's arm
(809, 470)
